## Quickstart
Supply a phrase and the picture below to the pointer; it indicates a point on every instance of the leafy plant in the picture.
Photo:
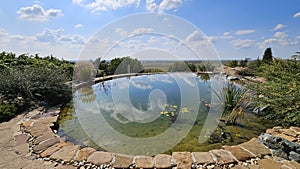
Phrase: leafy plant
(281, 91)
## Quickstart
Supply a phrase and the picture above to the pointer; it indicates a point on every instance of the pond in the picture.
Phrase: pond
(151, 114)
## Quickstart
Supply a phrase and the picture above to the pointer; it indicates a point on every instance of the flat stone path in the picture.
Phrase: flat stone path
(28, 141)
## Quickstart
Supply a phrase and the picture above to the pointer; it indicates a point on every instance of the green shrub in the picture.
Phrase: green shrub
(7, 111)
(281, 91)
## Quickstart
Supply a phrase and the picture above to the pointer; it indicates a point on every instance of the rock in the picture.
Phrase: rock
(294, 156)
(203, 158)
(183, 159)
(260, 110)
(163, 161)
(239, 153)
(289, 138)
(45, 120)
(52, 149)
(239, 167)
(268, 163)
(144, 162)
(100, 158)
(281, 147)
(44, 137)
(223, 156)
(61, 166)
(84, 153)
(296, 129)
(66, 153)
(256, 148)
(277, 128)
(27, 123)
(123, 161)
(233, 78)
(44, 145)
(21, 139)
(289, 132)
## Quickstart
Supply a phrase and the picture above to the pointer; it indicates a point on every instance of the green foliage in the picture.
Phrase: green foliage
(206, 66)
(267, 57)
(84, 71)
(27, 80)
(232, 63)
(281, 91)
(120, 66)
(192, 67)
(179, 67)
(34, 83)
(7, 111)
(235, 101)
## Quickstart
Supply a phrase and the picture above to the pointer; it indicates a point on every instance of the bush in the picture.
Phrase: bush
(281, 91)
(33, 83)
(7, 111)
(206, 66)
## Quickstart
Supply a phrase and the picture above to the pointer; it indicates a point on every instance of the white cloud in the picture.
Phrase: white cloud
(38, 13)
(278, 27)
(195, 36)
(78, 26)
(141, 31)
(170, 5)
(57, 36)
(49, 35)
(97, 6)
(121, 32)
(244, 32)
(298, 37)
(151, 6)
(280, 35)
(238, 43)
(3, 32)
(296, 15)
(278, 39)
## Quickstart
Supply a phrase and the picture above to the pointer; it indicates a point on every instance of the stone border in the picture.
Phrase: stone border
(38, 131)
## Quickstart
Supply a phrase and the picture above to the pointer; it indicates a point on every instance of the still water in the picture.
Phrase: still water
(152, 114)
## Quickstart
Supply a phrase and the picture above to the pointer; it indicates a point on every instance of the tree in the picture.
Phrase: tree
(124, 65)
(233, 63)
(192, 67)
(267, 57)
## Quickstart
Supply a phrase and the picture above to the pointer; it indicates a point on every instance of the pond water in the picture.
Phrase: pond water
(151, 114)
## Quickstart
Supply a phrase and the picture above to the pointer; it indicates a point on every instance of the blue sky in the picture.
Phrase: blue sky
(236, 29)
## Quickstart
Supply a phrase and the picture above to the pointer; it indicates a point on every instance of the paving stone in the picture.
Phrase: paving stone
(60, 166)
(253, 166)
(256, 148)
(295, 129)
(99, 158)
(44, 137)
(163, 161)
(44, 145)
(45, 120)
(27, 123)
(66, 153)
(183, 159)
(21, 139)
(84, 153)
(223, 156)
(239, 153)
(292, 164)
(144, 162)
(277, 128)
(123, 161)
(289, 138)
(203, 158)
(269, 164)
(239, 167)
(37, 131)
(289, 132)
(53, 149)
